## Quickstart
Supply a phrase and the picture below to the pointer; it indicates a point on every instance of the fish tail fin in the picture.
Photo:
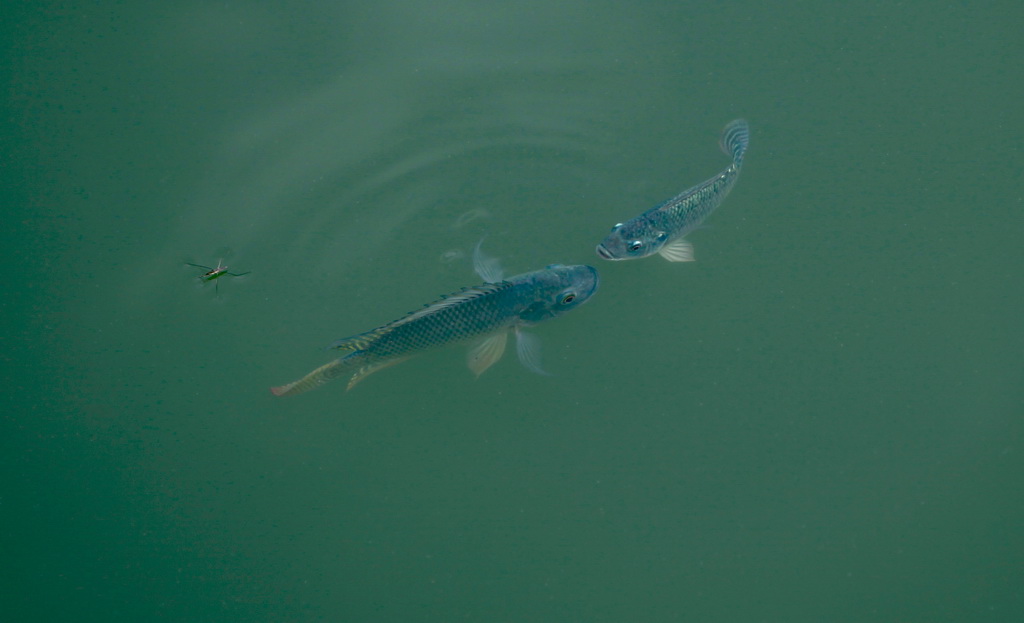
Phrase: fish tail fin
(735, 138)
(314, 379)
(370, 368)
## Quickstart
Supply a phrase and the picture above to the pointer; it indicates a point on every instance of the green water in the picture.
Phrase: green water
(819, 420)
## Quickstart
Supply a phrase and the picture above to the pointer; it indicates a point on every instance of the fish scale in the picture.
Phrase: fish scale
(491, 309)
(661, 229)
(455, 317)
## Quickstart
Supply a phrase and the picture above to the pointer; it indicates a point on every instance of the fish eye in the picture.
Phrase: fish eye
(635, 245)
(568, 298)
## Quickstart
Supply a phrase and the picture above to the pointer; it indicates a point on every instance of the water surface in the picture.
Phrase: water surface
(820, 419)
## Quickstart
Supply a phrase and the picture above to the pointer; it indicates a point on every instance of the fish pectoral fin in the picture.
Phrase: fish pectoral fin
(487, 352)
(369, 369)
(528, 350)
(677, 251)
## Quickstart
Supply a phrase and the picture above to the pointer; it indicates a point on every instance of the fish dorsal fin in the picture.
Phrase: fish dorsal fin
(449, 300)
(487, 352)
(369, 369)
(489, 268)
(677, 251)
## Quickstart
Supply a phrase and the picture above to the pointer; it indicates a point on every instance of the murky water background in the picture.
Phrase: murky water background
(820, 419)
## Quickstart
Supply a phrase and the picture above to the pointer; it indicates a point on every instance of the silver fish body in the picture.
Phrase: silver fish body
(662, 228)
(488, 311)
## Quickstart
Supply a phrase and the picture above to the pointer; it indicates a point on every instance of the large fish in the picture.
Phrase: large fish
(661, 229)
(487, 312)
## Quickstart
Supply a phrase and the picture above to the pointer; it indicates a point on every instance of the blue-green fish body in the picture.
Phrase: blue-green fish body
(662, 228)
(489, 311)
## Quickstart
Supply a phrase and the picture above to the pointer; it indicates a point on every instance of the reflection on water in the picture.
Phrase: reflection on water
(395, 156)
(469, 217)
(337, 178)
(814, 414)
(452, 255)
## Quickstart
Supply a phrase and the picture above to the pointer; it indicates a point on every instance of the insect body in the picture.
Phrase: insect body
(212, 274)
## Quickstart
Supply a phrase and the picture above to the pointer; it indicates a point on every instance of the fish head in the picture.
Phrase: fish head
(558, 289)
(631, 240)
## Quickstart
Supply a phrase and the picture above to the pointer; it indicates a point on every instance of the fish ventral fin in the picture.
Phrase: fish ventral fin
(487, 352)
(528, 350)
(677, 251)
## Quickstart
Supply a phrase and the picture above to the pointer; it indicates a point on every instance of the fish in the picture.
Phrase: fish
(662, 229)
(486, 312)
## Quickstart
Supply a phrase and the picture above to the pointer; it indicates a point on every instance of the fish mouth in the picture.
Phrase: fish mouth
(604, 253)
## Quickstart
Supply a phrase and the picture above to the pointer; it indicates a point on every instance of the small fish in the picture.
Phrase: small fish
(487, 312)
(661, 229)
